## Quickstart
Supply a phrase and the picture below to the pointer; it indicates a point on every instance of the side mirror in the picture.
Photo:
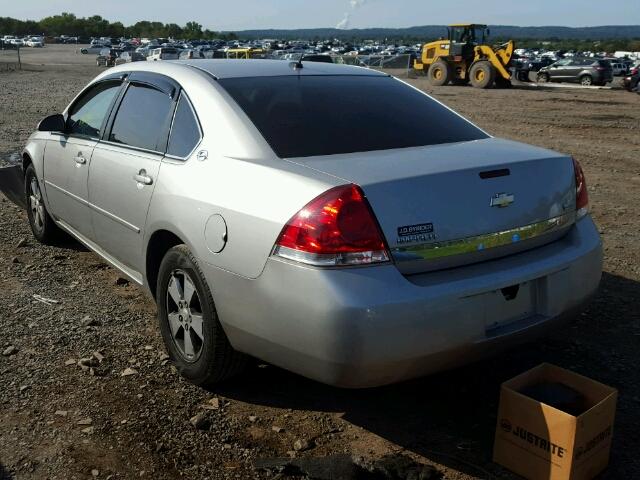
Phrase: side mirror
(52, 123)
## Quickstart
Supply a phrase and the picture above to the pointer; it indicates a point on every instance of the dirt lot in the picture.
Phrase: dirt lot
(59, 421)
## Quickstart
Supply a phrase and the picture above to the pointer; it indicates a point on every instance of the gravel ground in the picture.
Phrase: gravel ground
(68, 410)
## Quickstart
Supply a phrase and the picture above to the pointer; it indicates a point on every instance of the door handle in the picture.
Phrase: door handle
(80, 160)
(143, 178)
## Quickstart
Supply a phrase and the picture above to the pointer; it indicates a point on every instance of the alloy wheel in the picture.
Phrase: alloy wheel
(184, 314)
(36, 205)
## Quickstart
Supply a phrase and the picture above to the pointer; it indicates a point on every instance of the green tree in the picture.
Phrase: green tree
(193, 30)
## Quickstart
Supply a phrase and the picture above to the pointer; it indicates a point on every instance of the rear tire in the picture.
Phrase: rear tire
(482, 74)
(440, 73)
(586, 80)
(42, 225)
(191, 330)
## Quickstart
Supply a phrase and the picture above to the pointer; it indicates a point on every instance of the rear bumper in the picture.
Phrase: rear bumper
(363, 327)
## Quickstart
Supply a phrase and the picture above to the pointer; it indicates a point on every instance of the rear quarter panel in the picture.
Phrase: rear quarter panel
(242, 180)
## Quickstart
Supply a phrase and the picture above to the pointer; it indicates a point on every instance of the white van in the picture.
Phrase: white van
(163, 53)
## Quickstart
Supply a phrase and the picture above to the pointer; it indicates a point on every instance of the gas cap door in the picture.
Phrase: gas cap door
(215, 233)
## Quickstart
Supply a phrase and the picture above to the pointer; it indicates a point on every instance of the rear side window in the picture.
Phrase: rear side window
(185, 132)
(302, 116)
(141, 118)
(88, 113)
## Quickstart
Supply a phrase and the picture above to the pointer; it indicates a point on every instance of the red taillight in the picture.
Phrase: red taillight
(335, 228)
(582, 196)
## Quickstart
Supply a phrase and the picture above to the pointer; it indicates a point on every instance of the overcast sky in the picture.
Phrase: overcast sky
(250, 14)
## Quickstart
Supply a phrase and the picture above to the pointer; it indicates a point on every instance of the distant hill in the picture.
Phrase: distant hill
(605, 32)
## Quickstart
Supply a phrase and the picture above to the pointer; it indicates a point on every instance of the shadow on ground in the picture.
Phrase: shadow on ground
(449, 418)
(4, 474)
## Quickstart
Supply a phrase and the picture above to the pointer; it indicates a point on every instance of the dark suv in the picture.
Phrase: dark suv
(587, 71)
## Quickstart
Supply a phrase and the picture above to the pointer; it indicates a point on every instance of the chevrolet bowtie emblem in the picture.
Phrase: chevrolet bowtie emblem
(502, 200)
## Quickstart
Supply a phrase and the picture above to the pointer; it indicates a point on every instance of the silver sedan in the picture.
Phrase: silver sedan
(328, 219)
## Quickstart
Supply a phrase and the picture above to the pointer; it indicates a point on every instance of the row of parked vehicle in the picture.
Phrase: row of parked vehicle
(30, 41)
(577, 69)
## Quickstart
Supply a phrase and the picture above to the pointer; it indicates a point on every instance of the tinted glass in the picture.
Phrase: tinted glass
(301, 116)
(185, 133)
(88, 113)
(141, 118)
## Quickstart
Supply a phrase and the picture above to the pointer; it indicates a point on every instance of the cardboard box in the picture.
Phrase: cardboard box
(540, 442)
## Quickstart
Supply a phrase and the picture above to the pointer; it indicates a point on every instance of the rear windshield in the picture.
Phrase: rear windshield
(304, 116)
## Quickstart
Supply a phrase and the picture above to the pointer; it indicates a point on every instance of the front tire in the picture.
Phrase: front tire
(543, 78)
(482, 74)
(42, 225)
(189, 323)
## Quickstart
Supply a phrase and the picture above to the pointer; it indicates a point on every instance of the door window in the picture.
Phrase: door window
(141, 118)
(88, 113)
(185, 132)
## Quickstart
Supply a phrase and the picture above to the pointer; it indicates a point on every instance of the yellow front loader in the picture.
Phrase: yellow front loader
(465, 57)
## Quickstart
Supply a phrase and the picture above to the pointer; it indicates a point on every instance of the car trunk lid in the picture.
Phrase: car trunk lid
(446, 205)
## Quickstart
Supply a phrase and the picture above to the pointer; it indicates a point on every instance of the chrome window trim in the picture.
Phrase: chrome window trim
(173, 119)
(68, 136)
(433, 251)
(130, 147)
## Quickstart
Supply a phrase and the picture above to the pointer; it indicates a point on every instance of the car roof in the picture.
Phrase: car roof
(227, 68)
(183, 70)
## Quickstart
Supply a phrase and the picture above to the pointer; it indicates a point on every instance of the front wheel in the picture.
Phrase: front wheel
(482, 74)
(189, 323)
(543, 78)
(42, 225)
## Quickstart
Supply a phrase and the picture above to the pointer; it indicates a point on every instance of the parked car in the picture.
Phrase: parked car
(35, 42)
(317, 58)
(130, 56)
(18, 42)
(108, 57)
(94, 48)
(536, 64)
(231, 192)
(586, 71)
(163, 53)
(190, 54)
(619, 69)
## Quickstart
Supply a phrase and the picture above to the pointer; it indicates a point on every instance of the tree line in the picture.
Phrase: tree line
(96, 26)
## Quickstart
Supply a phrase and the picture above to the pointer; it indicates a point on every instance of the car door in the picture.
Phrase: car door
(558, 70)
(126, 164)
(574, 68)
(68, 155)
